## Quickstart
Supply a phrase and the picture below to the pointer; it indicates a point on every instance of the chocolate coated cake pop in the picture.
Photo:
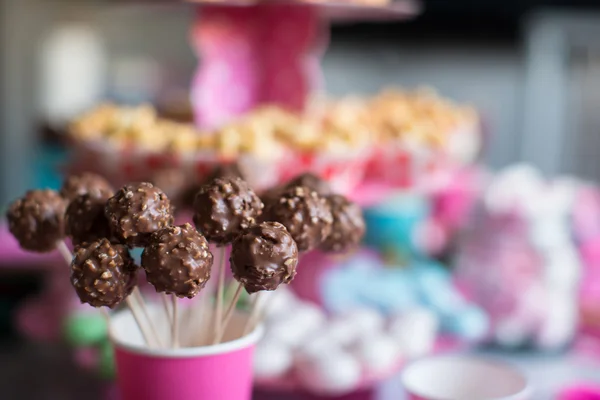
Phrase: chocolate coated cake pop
(348, 226)
(102, 273)
(264, 257)
(37, 220)
(225, 171)
(177, 261)
(136, 211)
(224, 208)
(77, 185)
(304, 213)
(311, 181)
(85, 220)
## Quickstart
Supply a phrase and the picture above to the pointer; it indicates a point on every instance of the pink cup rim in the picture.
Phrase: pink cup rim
(522, 394)
(184, 352)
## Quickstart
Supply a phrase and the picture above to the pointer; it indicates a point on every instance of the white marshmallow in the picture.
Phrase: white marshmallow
(415, 331)
(515, 187)
(272, 359)
(364, 320)
(342, 331)
(332, 372)
(297, 325)
(377, 353)
(278, 302)
(316, 346)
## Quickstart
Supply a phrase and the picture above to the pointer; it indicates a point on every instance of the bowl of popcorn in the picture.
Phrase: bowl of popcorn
(270, 145)
(396, 137)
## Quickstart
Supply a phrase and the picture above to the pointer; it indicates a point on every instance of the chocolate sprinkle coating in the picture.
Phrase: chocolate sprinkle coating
(311, 181)
(264, 257)
(85, 220)
(178, 261)
(348, 226)
(86, 183)
(136, 211)
(37, 220)
(225, 208)
(102, 273)
(304, 213)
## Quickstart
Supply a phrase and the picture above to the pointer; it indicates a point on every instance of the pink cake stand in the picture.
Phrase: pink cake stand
(267, 53)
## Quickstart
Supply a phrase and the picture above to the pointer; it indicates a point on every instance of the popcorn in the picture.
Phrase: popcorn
(420, 117)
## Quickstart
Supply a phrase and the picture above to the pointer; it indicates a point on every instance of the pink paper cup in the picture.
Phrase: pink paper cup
(464, 378)
(222, 371)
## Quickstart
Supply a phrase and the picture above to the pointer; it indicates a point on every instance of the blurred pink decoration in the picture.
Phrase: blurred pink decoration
(453, 202)
(519, 259)
(586, 221)
(581, 391)
(313, 265)
(500, 271)
(255, 55)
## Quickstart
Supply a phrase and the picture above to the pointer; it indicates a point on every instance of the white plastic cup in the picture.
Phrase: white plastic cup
(464, 378)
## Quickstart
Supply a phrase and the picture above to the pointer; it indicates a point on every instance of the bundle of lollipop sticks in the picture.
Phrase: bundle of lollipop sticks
(265, 237)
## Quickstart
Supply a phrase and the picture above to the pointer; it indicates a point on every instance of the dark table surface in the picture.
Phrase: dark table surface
(47, 372)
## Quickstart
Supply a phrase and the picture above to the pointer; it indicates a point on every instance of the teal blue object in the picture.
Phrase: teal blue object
(435, 287)
(136, 254)
(85, 329)
(47, 165)
(469, 323)
(363, 281)
(391, 225)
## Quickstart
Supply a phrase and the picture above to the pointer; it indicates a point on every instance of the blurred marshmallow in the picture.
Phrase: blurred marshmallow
(364, 320)
(272, 359)
(278, 302)
(377, 353)
(331, 371)
(297, 325)
(415, 331)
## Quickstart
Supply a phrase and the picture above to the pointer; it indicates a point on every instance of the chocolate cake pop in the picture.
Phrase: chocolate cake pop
(85, 220)
(177, 261)
(136, 211)
(308, 180)
(225, 171)
(311, 181)
(224, 208)
(77, 185)
(102, 273)
(264, 257)
(304, 213)
(37, 220)
(348, 226)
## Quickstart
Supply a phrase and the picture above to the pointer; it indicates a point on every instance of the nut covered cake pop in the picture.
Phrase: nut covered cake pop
(136, 211)
(102, 273)
(304, 213)
(264, 257)
(225, 171)
(348, 226)
(224, 208)
(177, 261)
(77, 185)
(37, 220)
(311, 181)
(85, 220)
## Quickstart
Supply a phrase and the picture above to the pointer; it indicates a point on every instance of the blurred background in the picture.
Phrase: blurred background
(529, 205)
